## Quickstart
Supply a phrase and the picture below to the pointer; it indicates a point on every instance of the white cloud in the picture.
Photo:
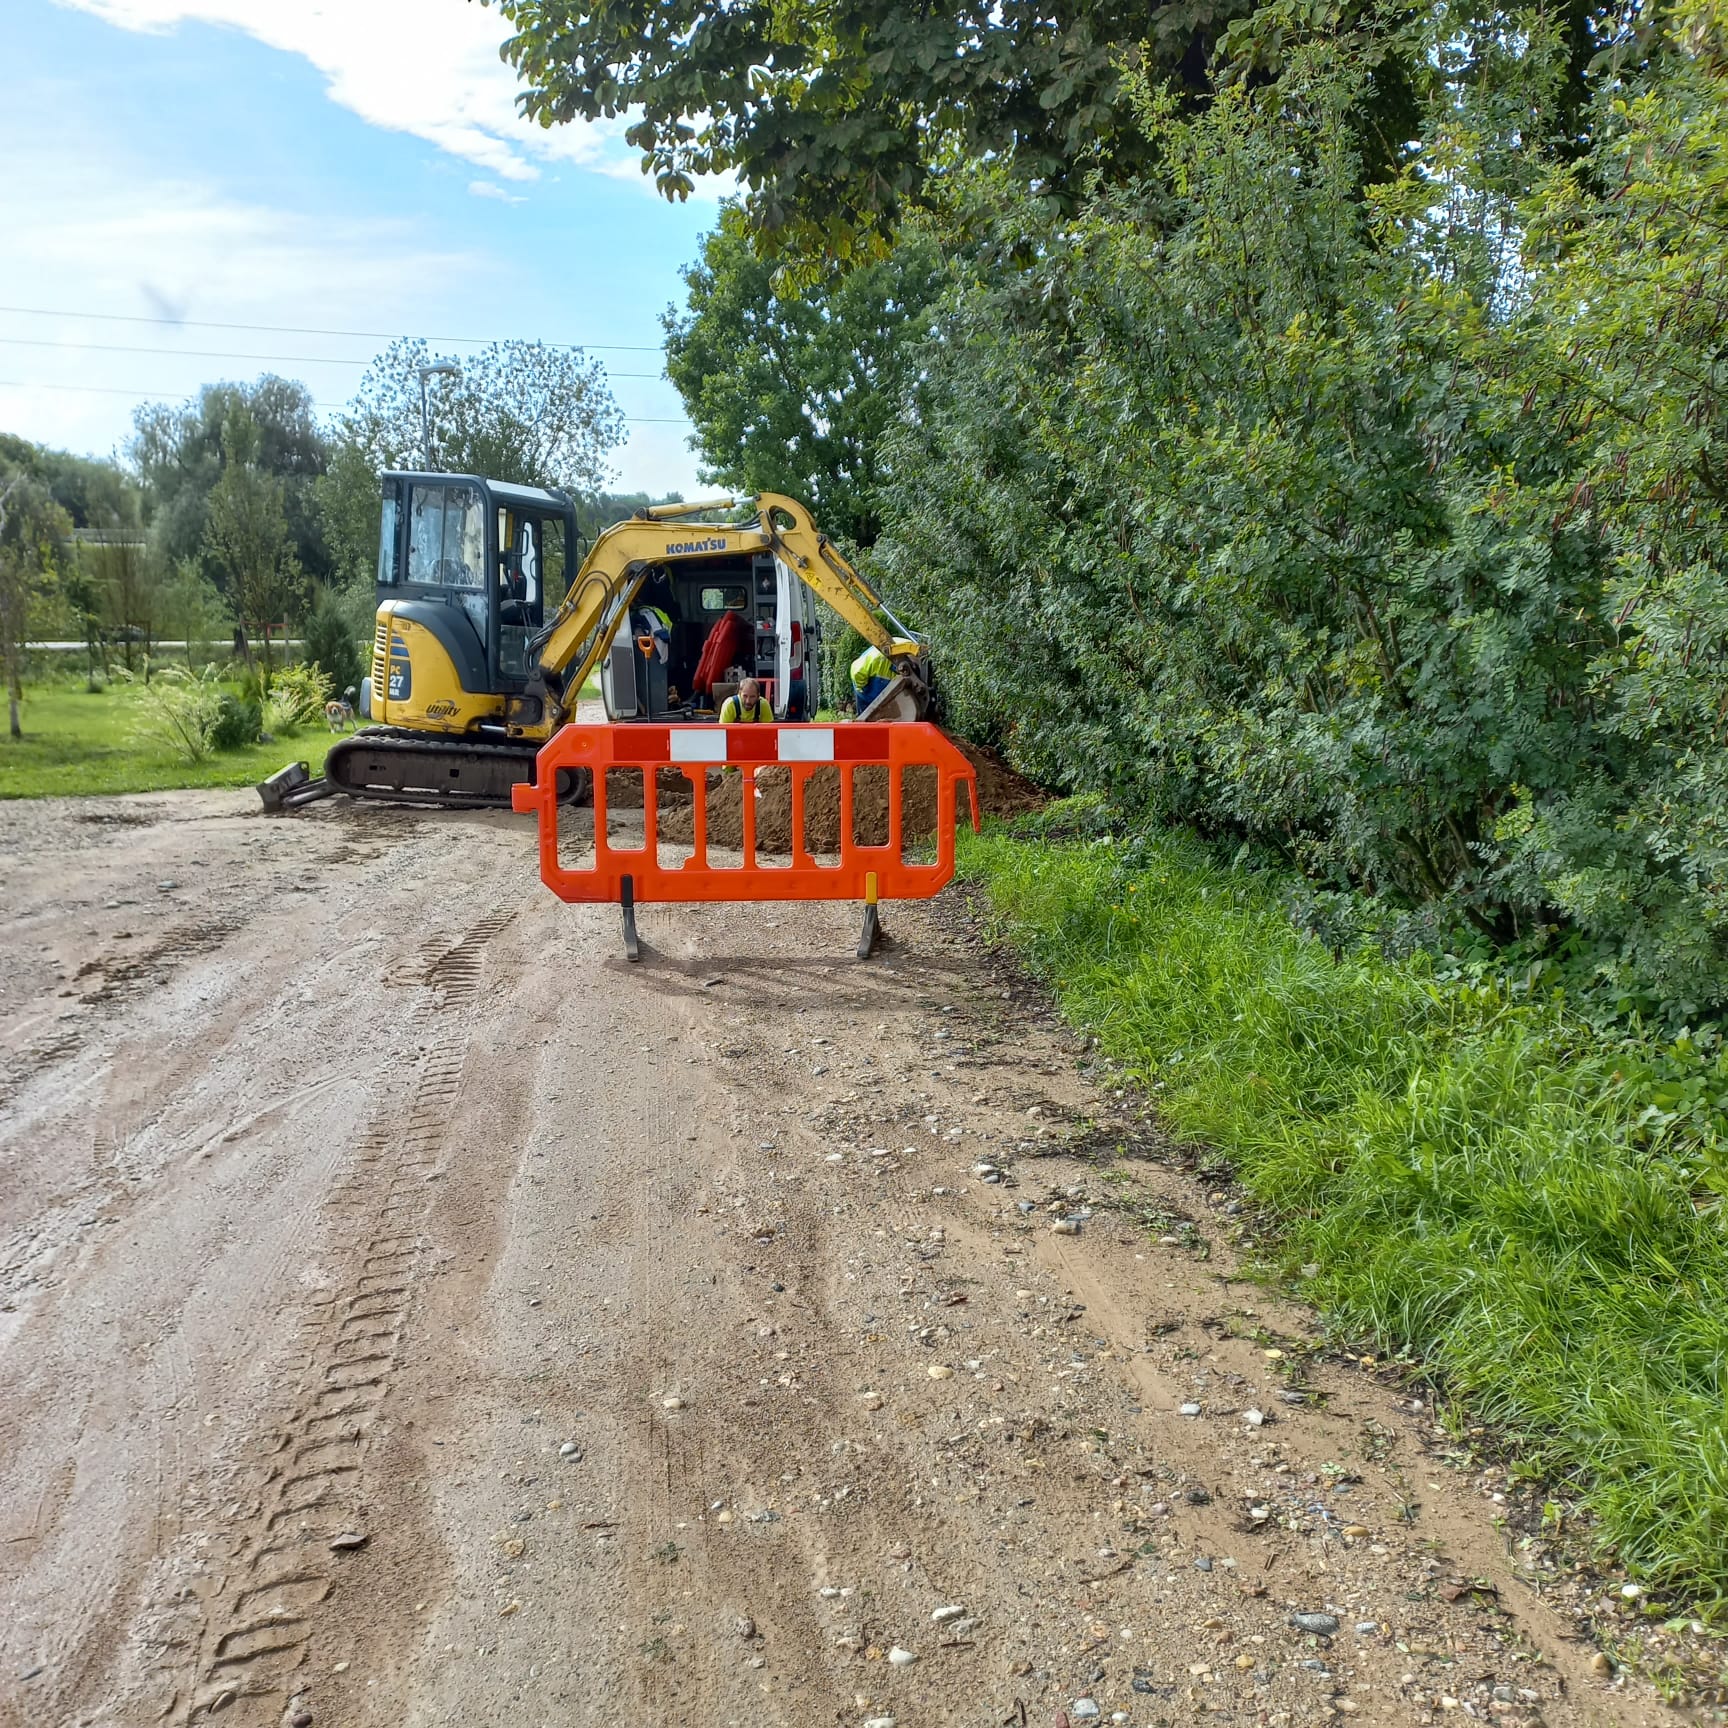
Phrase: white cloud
(86, 234)
(429, 68)
(491, 189)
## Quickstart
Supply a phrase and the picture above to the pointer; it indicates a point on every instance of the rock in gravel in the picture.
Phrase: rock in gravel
(1084, 1710)
(870, 1400)
(1188, 1410)
(951, 1611)
(570, 1450)
(348, 1541)
(300, 1719)
(1602, 1665)
(937, 1372)
(1367, 1626)
(1254, 1418)
(1064, 1227)
(902, 1658)
(744, 1626)
(878, 1722)
(1321, 1625)
(671, 1403)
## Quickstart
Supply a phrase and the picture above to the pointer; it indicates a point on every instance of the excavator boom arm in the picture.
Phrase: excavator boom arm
(818, 564)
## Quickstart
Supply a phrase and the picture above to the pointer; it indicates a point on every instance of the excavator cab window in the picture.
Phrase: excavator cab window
(530, 562)
(387, 529)
(447, 537)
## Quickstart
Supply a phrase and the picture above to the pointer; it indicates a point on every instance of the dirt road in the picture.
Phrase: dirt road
(412, 1314)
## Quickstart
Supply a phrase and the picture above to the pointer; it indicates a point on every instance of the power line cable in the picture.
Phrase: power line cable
(214, 354)
(305, 330)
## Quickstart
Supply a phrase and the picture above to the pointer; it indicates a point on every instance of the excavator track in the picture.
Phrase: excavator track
(384, 765)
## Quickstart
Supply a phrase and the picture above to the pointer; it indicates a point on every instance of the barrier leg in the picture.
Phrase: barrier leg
(627, 898)
(872, 921)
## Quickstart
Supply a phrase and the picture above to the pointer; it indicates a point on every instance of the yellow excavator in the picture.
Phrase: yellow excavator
(480, 650)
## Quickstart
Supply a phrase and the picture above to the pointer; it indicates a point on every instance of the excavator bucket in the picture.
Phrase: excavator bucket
(906, 698)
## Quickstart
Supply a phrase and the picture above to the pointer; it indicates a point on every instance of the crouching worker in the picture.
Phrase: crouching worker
(749, 705)
(871, 674)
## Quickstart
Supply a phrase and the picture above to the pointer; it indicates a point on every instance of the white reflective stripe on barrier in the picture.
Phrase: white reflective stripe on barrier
(699, 744)
(816, 745)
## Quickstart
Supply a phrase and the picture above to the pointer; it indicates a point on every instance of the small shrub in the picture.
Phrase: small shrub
(183, 710)
(297, 697)
(237, 722)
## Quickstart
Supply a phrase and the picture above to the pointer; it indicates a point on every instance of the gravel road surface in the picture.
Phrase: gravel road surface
(412, 1314)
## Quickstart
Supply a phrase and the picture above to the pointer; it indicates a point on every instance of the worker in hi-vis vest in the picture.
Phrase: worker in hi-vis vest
(871, 672)
(748, 705)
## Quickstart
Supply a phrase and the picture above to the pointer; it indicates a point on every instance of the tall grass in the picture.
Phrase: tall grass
(1476, 1178)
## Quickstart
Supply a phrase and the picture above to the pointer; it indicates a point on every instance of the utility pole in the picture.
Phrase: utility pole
(438, 369)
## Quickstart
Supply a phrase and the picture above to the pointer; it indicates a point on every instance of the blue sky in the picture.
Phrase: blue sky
(325, 165)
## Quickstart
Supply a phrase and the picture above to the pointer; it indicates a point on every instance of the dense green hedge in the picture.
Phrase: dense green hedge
(1382, 527)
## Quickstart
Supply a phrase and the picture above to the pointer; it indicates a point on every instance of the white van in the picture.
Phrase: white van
(780, 648)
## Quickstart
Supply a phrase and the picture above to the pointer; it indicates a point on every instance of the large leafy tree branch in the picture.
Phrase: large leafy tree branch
(839, 116)
(834, 114)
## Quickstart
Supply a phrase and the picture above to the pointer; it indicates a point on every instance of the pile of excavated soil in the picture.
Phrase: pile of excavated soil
(624, 788)
(1001, 792)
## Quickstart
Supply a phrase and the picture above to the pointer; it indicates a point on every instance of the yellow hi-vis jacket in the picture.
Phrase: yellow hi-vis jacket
(872, 663)
(731, 711)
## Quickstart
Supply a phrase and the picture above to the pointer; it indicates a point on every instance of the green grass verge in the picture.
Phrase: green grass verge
(76, 743)
(1477, 1179)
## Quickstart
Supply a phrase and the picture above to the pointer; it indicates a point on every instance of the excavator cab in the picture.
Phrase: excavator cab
(469, 571)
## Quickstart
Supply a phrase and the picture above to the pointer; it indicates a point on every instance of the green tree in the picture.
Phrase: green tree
(794, 392)
(836, 116)
(347, 496)
(518, 411)
(333, 641)
(34, 531)
(839, 116)
(93, 491)
(192, 609)
(1612, 402)
(247, 537)
(177, 453)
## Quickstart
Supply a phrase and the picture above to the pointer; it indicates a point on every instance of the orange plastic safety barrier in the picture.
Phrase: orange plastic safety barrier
(627, 876)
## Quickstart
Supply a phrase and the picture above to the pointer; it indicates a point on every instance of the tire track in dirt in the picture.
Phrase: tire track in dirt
(236, 1659)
